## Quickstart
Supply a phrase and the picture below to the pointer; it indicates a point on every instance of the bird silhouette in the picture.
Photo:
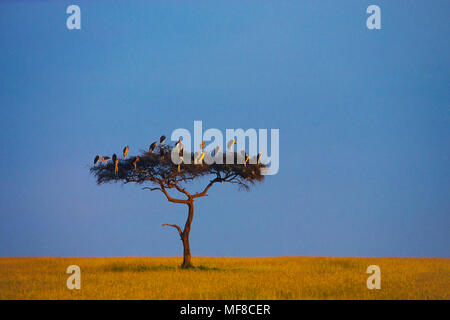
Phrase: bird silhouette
(105, 159)
(258, 157)
(136, 160)
(152, 147)
(125, 151)
(116, 166)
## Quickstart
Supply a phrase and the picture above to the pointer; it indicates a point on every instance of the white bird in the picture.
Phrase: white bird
(216, 151)
(230, 144)
(179, 146)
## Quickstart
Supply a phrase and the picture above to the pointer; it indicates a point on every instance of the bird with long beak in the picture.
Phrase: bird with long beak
(231, 143)
(125, 151)
(258, 157)
(114, 158)
(96, 159)
(116, 166)
(162, 139)
(136, 160)
(152, 147)
(105, 159)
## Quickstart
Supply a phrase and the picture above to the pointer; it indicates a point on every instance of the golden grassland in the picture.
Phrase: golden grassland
(225, 278)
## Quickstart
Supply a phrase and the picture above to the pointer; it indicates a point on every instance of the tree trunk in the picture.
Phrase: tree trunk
(185, 237)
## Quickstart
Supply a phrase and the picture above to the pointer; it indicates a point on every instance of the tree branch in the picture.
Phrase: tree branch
(203, 193)
(182, 190)
(167, 195)
(175, 226)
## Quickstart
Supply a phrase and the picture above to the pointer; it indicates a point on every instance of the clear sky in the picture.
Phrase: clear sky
(363, 118)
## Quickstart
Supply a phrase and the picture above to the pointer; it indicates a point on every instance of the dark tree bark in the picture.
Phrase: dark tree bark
(185, 236)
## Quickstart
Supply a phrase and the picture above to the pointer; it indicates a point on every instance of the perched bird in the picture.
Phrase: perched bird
(202, 145)
(258, 157)
(216, 151)
(125, 151)
(116, 166)
(247, 157)
(152, 147)
(162, 152)
(136, 160)
(105, 159)
(162, 139)
(114, 158)
(179, 165)
(96, 159)
(231, 143)
(197, 157)
(179, 146)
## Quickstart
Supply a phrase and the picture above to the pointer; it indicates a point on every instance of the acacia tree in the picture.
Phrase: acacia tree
(158, 172)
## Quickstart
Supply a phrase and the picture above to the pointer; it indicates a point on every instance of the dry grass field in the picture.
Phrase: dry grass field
(225, 278)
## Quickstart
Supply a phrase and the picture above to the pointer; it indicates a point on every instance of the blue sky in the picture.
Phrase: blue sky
(363, 118)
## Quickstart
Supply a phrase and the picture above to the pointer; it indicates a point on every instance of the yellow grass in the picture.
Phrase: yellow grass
(225, 278)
